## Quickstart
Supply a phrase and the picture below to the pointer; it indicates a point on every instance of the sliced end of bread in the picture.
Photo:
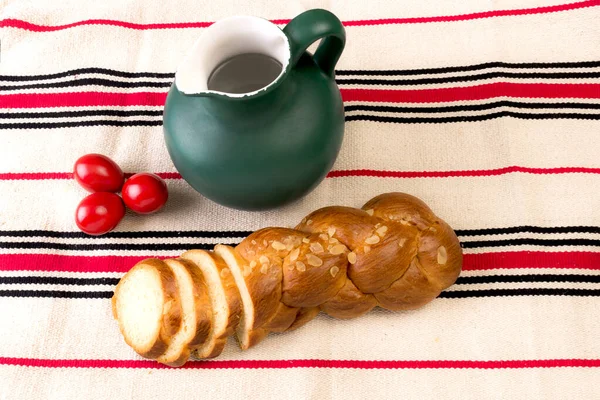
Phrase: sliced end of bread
(147, 307)
(204, 315)
(224, 299)
(244, 333)
(195, 321)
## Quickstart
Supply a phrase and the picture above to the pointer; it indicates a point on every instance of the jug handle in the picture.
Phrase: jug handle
(311, 26)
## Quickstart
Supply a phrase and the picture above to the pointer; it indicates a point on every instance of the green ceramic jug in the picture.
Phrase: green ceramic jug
(269, 147)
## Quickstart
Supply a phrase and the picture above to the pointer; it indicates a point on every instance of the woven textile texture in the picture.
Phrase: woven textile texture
(488, 111)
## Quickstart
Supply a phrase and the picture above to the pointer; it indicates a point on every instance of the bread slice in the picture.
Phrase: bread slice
(147, 307)
(196, 313)
(246, 335)
(224, 298)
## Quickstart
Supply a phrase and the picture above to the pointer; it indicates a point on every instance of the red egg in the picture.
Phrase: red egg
(99, 213)
(145, 193)
(98, 173)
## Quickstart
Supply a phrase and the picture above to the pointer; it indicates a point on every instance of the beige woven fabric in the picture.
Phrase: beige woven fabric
(488, 111)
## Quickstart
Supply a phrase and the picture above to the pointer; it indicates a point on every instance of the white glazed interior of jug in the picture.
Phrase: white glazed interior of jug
(225, 39)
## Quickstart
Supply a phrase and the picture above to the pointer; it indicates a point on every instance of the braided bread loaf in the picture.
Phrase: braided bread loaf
(393, 253)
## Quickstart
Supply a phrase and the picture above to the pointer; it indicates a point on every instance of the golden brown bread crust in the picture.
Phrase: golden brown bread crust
(230, 289)
(379, 264)
(402, 256)
(213, 347)
(394, 252)
(172, 315)
(351, 225)
(231, 292)
(255, 336)
(283, 318)
(201, 313)
(349, 302)
(305, 315)
(264, 275)
(202, 303)
(159, 347)
(411, 291)
(439, 251)
(241, 271)
(172, 310)
(319, 277)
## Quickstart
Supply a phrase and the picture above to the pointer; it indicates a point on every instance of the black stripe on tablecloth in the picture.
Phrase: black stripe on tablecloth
(460, 294)
(525, 229)
(528, 241)
(405, 72)
(106, 246)
(348, 108)
(128, 235)
(462, 280)
(57, 294)
(469, 78)
(454, 294)
(88, 82)
(82, 113)
(348, 118)
(469, 68)
(350, 81)
(471, 118)
(206, 246)
(56, 280)
(73, 124)
(81, 71)
(241, 234)
(472, 107)
(526, 278)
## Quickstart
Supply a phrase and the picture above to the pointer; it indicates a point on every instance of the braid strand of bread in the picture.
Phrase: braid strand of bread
(394, 253)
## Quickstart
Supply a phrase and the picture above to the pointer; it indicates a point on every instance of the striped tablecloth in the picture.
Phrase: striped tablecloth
(488, 111)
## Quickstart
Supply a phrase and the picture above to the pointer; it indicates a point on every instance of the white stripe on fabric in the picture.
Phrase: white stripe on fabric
(305, 384)
(465, 203)
(369, 47)
(415, 147)
(442, 330)
(69, 11)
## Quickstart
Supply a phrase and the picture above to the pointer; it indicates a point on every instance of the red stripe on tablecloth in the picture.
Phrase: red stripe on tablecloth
(38, 176)
(439, 95)
(65, 263)
(477, 15)
(472, 262)
(353, 173)
(285, 364)
(20, 24)
(477, 92)
(460, 173)
(34, 176)
(81, 99)
(531, 259)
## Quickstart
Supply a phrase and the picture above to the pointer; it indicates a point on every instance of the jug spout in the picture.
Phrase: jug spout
(224, 40)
